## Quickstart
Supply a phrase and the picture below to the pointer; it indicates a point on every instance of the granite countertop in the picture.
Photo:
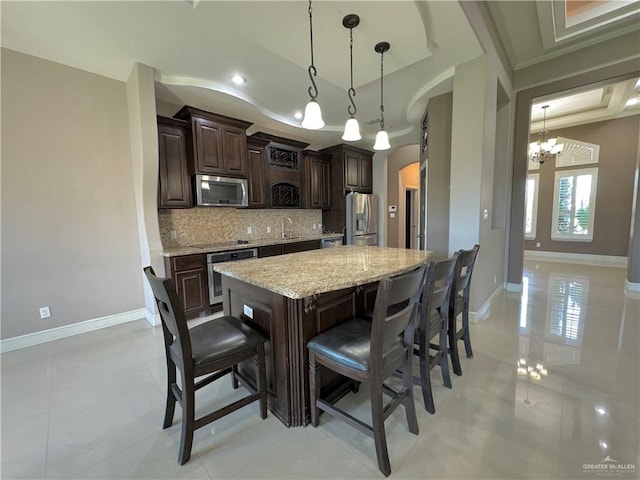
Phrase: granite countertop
(217, 247)
(299, 275)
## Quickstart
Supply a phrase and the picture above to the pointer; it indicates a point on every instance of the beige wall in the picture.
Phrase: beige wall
(69, 235)
(618, 140)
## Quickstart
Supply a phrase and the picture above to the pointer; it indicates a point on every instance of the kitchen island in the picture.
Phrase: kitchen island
(292, 298)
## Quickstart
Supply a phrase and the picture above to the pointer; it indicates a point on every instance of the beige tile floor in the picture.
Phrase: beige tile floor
(91, 406)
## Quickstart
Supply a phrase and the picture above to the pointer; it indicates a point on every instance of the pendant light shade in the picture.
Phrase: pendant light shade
(351, 130)
(312, 115)
(382, 137)
(351, 127)
(382, 141)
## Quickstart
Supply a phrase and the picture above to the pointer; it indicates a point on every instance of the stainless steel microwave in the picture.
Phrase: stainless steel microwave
(221, 191)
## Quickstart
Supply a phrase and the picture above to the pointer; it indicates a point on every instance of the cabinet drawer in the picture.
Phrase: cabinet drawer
(301, 246)
(269, 251)
(188, 262)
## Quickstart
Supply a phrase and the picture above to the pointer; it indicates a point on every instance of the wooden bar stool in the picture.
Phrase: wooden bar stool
(213, 349)
(459, 304)
(434, 322)
(371, 351)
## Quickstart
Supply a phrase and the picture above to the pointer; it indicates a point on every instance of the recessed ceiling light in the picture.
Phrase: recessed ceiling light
(631, 102)
(238, 79)
(298, 115)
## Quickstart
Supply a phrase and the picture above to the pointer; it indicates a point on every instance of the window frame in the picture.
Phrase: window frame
(534, 209)
(573, 237)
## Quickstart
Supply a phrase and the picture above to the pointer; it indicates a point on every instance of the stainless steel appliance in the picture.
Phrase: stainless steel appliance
(215, 280)
(221, 191)
(362, 219)
(330, 242)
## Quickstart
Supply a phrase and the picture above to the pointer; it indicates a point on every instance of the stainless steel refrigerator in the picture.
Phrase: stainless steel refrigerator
(362, 219)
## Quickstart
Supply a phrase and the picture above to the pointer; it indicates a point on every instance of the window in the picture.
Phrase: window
(531, 206)
(574, 205)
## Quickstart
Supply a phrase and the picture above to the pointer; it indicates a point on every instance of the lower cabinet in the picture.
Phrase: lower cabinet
(189, 275)
(273, 250)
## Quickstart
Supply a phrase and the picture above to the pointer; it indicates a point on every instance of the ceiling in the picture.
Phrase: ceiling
(194, 46)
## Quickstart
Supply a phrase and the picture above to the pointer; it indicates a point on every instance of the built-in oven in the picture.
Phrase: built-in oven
(215, 280)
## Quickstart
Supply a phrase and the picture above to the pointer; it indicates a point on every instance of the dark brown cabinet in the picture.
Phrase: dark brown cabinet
(352, 168)
(189, 275)
(174, 181)
(283, 171)
(273, 250)
(257, 172)
(317, 180)
(219, 143)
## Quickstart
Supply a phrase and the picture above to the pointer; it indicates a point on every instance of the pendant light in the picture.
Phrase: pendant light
(545, 148)
(382, 138)
(312, 114)
(351, 128)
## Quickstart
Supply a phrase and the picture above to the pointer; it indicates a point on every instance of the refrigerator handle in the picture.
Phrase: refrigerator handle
(367, 210)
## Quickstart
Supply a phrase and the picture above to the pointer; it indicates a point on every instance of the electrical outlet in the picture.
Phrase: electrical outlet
(268, 229)
(45, 312)
(538, 245)
(249, 230)
(314, 226)
(174, 235)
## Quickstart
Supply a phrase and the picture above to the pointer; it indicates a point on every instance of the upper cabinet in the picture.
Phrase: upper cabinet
(174, 181)
(283, 171)
(219, 143)
(352, 168)
(257, 172)
(316, 180)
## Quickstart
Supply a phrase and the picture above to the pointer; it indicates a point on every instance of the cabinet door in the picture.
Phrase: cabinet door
(257, 164)
(234, 150)
(351, 171)
(175, 183)
(191, 288)
(207, 147)
(315, 184)
(325, 184)
(365, 178)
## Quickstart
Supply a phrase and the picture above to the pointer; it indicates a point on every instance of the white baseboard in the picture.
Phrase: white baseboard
(44, 336)
(631, 286)
(579, 258)
(484, 311)
(152, 318)
(514, 287)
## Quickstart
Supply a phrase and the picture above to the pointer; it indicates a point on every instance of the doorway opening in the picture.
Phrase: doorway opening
(411, 217)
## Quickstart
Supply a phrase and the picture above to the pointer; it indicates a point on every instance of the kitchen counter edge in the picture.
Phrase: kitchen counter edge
(178, 251)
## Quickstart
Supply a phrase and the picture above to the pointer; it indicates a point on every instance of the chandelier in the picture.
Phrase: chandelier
(545, 148)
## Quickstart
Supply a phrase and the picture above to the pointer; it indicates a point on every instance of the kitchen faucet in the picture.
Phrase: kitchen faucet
(284, 234)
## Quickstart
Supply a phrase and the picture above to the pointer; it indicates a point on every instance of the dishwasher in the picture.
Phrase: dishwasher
(215, 279)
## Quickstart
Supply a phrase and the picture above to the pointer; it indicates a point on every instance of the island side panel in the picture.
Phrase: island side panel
(289, 324)
(320, 313)
(269, 312)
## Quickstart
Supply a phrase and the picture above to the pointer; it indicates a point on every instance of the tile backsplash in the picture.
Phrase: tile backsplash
(205, 225)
